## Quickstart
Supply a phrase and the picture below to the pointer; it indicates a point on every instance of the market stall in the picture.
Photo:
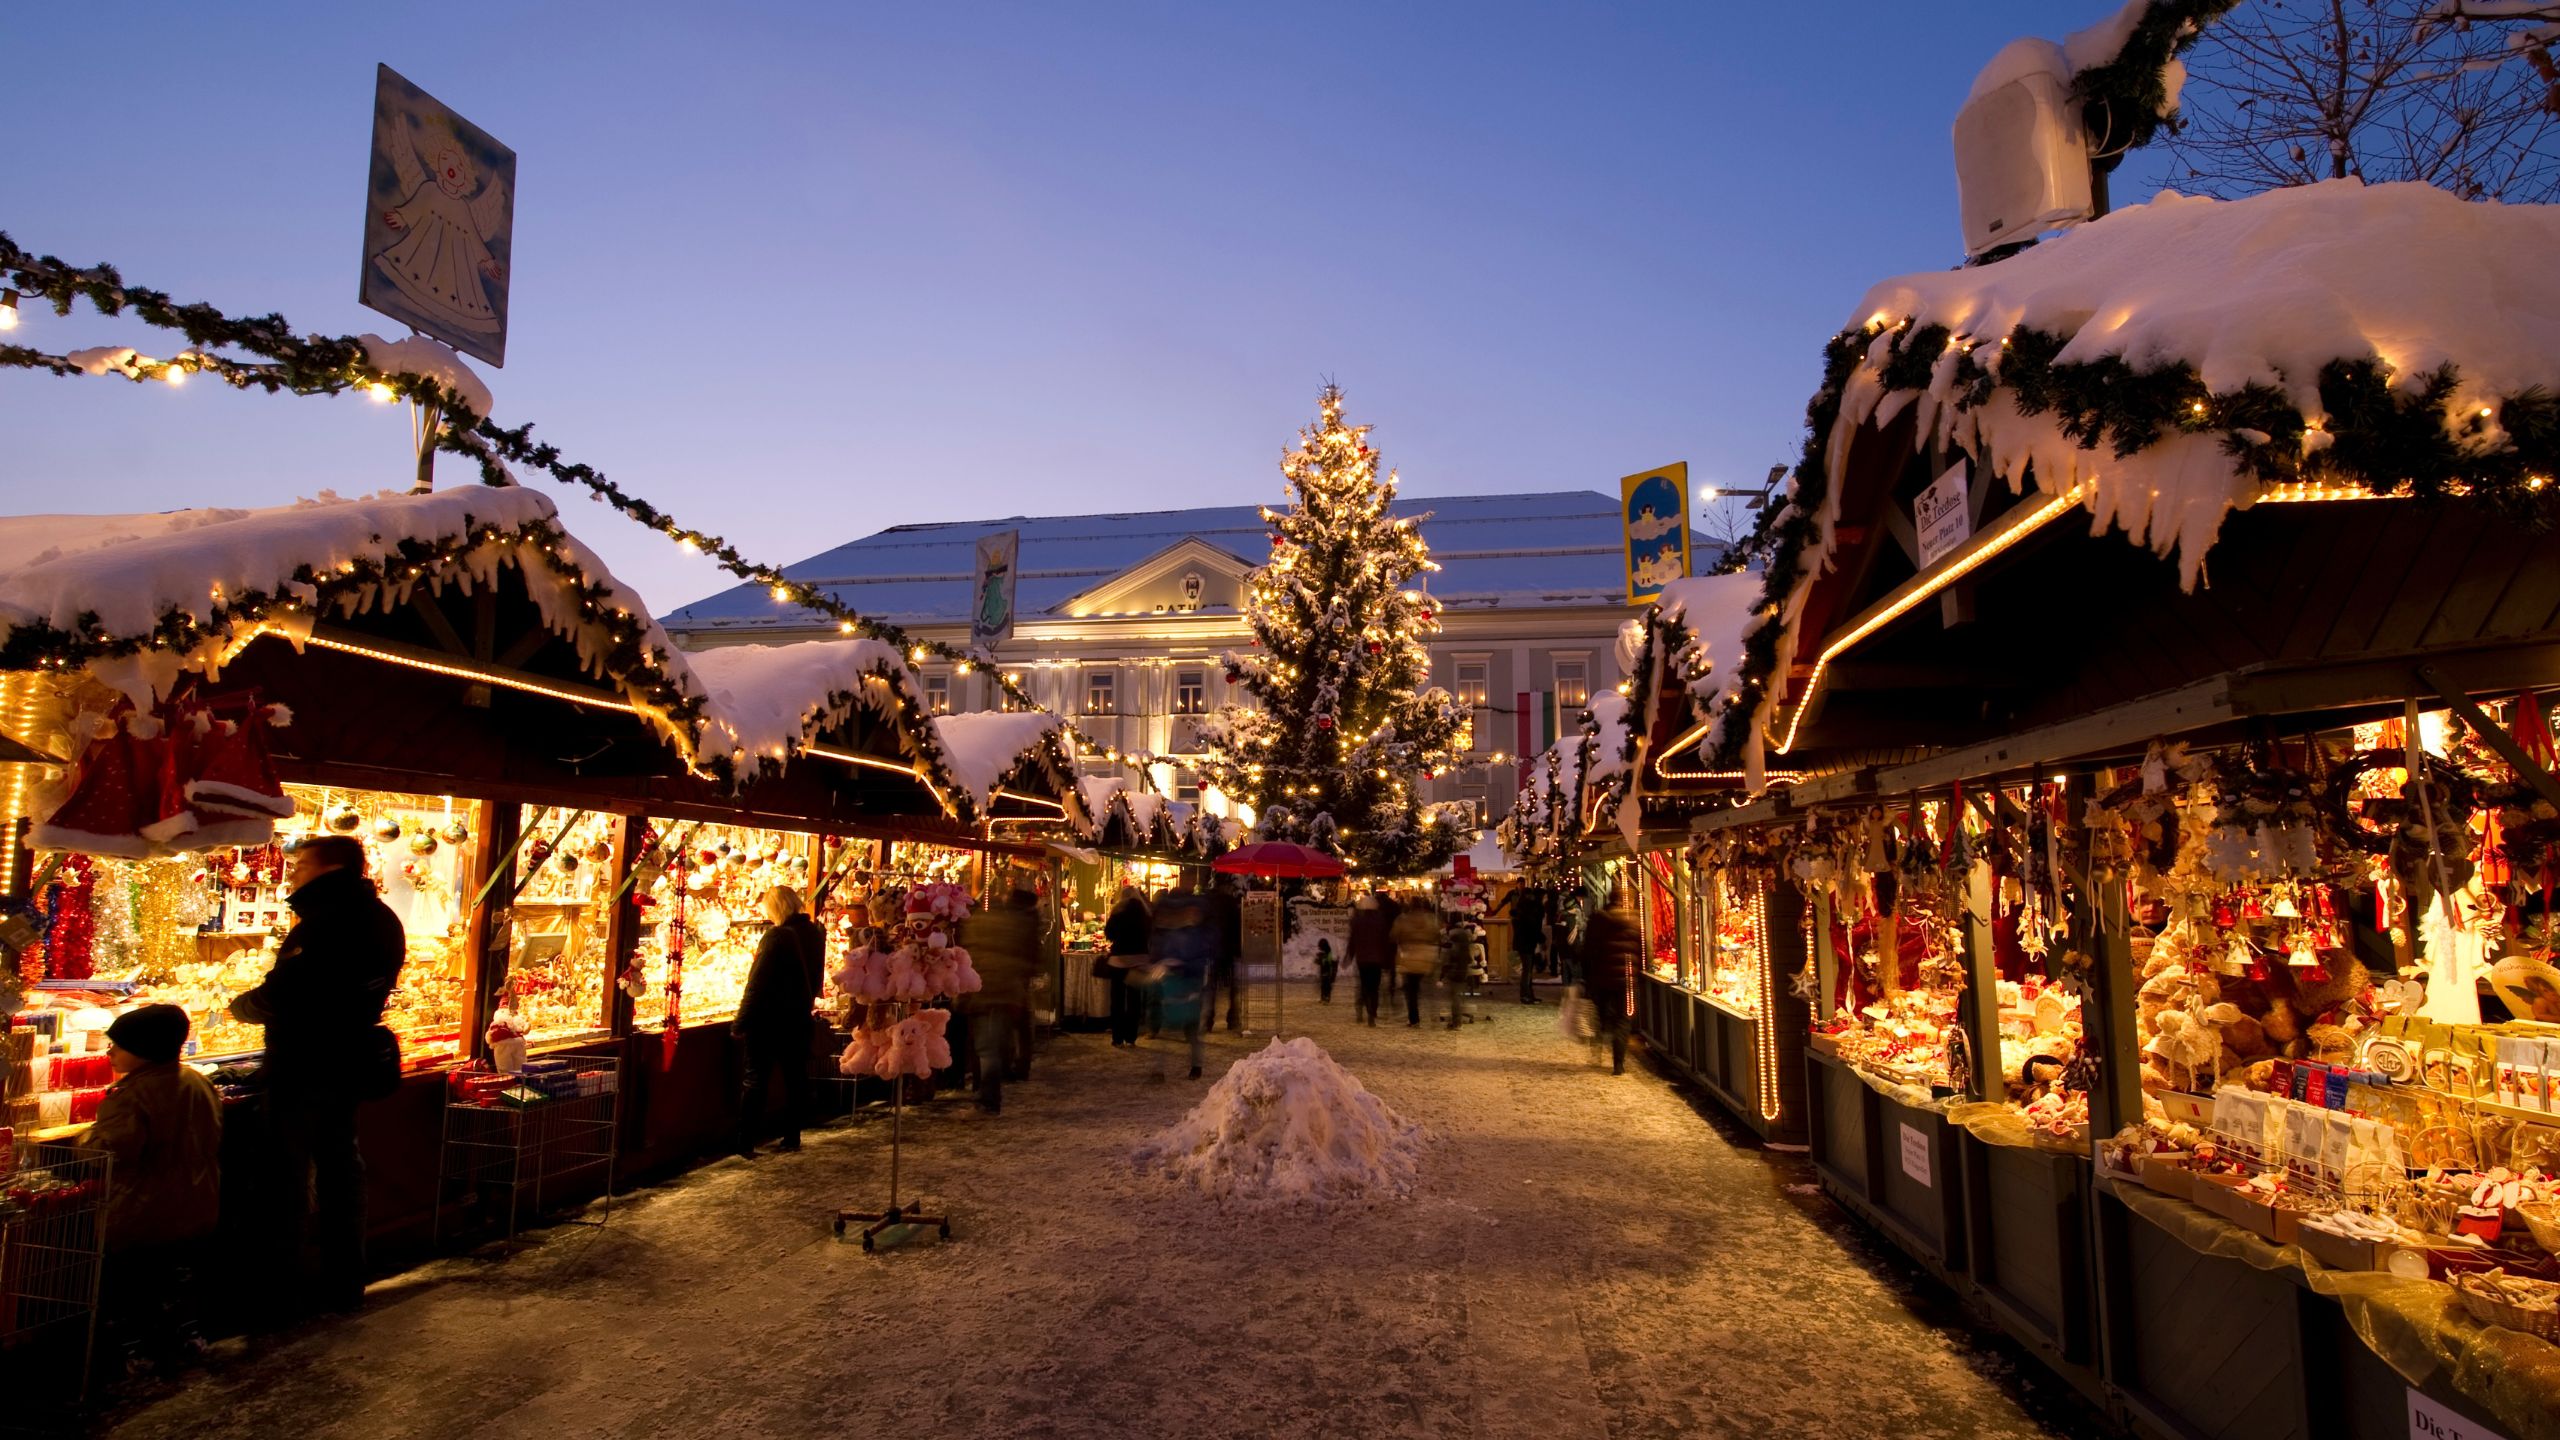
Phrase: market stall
(1123, 835)
(2213, 837)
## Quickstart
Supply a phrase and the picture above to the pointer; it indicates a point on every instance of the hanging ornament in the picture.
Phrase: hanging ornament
(600, 853)
(344, 820)
(456, 831)
(567, 860)
(1324, 722)
(386, 829)
(538, 851)
(423, 843)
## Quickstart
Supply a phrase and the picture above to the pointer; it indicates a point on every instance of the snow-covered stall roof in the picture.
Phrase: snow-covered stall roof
(1154, 822)
(139, 600)
(987, 745)
(2213, 332)
(768, 701)
(1687, 651)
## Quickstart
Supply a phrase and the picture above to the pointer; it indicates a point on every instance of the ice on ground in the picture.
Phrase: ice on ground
(1289, 1126)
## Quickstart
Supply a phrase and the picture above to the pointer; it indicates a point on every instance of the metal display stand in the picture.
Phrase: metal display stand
(52, 1242)
(519, 1145)
(876, 1221)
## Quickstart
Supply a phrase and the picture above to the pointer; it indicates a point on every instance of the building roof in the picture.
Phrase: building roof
(1552, 548)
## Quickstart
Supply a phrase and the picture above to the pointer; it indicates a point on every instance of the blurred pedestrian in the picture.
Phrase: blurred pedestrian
(1184, 940)
(1608, 953)
(1373, 949)
(1417, 939)
(1124, 935)
(1003, 941)
(1528, 906)
(1326, 965)
(1226, 909)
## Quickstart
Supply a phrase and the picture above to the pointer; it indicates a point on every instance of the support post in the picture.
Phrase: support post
(1826, 957)
(492, 920)
(1980, 1011)
(2115, 1098)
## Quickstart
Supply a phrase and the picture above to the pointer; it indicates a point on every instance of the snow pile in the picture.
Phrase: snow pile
(984, 747)
(1288, 1126)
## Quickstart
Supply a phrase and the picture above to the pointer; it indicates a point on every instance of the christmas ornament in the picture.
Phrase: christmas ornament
(386, 829)
(423, 843)
(344, 820)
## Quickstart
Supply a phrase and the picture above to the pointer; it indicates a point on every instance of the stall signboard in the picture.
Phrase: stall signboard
(1942, 515)
(1915, 1153)
(991, 596)
(1308, 923)
(1655, 508)
(2431, 1421)
(439, 222)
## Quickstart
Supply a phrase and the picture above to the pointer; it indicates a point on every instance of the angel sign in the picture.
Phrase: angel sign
(1655, 510)
(439, 221)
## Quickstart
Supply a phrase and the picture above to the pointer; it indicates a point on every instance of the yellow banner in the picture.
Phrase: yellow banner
(1653, 508)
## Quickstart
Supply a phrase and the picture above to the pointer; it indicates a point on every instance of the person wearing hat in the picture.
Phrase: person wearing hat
(162, 1124)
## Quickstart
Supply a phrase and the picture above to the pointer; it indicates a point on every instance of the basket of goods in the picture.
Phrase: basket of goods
(2542, 1217)
(2518, 1302)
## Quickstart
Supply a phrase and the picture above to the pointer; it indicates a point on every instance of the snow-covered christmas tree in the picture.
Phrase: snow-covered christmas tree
(1348, 725)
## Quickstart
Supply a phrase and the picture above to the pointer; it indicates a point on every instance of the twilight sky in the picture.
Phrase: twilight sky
(800, 272)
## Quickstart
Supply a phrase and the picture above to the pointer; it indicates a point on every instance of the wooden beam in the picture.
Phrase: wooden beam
(1826, 957)
(2491, 734)
(2133, 724)
(1980, 1011)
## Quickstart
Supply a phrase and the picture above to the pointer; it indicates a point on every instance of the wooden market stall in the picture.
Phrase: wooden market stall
(2101, 825)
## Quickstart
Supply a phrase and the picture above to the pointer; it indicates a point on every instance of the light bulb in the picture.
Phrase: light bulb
(781, 592)
(8, 309)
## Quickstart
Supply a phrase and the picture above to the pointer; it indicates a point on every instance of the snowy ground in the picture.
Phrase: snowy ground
(1586, 1256)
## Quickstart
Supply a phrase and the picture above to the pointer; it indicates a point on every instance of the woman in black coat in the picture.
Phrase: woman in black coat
(1125, 932)
(772, 1028)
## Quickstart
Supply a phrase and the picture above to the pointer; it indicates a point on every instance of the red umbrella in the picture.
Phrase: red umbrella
(1278, 859)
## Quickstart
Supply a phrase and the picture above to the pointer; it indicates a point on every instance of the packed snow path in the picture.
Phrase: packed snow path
(1586, 1256)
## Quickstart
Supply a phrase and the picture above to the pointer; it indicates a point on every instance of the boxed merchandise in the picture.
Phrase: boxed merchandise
(2168, 1175)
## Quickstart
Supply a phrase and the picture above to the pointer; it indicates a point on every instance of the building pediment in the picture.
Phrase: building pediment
(1190, 576)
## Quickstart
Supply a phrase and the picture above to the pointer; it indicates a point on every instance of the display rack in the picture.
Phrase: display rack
(874, 1222)
(511, 1143)
(52, 1238)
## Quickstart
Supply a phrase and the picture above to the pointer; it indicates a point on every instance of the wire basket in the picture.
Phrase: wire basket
(52, 1235)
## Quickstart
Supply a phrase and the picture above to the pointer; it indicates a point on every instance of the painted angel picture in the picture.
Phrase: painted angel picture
(439, 224)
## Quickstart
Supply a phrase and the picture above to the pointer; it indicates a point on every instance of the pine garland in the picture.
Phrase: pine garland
(2126, 101)
(333, 365)
(2384, 438)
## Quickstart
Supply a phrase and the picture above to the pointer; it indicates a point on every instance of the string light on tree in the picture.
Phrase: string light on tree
(1346, 712)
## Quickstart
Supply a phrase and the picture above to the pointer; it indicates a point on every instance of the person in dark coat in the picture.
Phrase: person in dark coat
(1610, 948)
(1528, 907)
(1373, 951)
(1184, 939)
(1226, 909)
(1124, 932)
(813, 950)
(772, 1027)
(319, 1003)
(1003, 941)
(162, 1125)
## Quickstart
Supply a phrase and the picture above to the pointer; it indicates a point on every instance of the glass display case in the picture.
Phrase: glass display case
(560, 960)
(701, 886)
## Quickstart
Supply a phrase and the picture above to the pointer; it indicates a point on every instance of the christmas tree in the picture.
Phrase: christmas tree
(1348, 725)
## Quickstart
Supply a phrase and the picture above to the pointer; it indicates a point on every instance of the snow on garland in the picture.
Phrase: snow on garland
(2173, 357)
(1288, 1126)
(333, 365)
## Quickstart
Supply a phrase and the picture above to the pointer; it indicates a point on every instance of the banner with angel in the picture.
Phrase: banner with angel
(439, 225)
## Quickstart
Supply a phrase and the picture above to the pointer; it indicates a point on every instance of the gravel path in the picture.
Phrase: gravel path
(1589, 1256)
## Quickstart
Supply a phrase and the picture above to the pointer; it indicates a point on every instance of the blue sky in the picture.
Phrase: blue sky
(800, 272)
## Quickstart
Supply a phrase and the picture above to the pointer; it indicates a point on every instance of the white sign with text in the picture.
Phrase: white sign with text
(1943, 514)
(2431, 1421)
(1915, 1153)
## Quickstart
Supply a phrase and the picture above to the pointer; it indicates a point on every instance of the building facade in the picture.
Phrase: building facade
(1121, 621)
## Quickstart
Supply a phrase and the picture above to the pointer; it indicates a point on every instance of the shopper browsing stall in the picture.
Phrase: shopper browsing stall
(162, 1124)
(1417, 940)
(321, 1004)
(772, 1027)
(1003, 942)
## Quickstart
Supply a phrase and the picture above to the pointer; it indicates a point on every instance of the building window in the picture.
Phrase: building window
(1472, 684)
(1190, 692)
(937, 694)
(1101, 692)
(1186, 787)
(1473, 797)
(1573, 685)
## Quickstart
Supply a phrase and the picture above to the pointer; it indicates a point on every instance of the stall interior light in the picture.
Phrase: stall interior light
(1764, 1037)
(874, 762)
(596, 699)
(1001, 793)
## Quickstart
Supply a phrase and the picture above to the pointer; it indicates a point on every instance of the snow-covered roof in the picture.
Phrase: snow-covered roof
(767, 699)
(1153, 821)
(2266, 290)
(985, 746)
(142, 599)
(1555, 548)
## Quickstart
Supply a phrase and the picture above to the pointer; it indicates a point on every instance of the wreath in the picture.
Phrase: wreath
(2395, 826)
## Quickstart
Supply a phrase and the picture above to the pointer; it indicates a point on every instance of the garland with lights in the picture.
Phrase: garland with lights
(2386, 439)
(1348, 723)
(332, 365)
(2124, 102)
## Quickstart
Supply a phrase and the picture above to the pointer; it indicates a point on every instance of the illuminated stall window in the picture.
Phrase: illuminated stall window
(559, 955)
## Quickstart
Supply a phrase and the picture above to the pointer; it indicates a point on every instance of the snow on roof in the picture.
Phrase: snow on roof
(2263, 290)
(1713, 615)
(766, 699)
(141, 578)
(2101, 43)
(985, 746)
(1553, 548)
(428, 360)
